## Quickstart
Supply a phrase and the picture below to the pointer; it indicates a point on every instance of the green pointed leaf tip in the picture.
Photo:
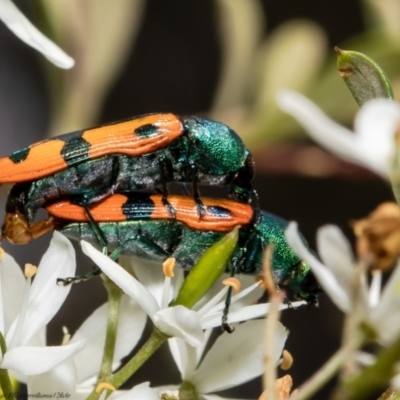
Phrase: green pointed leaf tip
(363, 76)
(209, 268)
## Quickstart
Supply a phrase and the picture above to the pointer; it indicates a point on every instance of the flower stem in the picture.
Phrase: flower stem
(353, 335)
(114, 299)
(6, 385)
(271, 327)
(5, 382)
(155, 340)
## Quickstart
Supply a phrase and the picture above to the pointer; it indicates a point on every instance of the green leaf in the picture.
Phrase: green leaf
(363, 76)
(208, 269)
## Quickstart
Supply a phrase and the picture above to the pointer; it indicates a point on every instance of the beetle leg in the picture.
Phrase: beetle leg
(17, 230)
(141, 240)
(255, 202)
(224, 322)
(145, 243)
(169, 206)
(96, 271)
(201, 208)
(166, 175)
(96, 229)
(79, 278)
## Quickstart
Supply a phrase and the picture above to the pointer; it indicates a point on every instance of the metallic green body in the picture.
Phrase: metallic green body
(160, 239)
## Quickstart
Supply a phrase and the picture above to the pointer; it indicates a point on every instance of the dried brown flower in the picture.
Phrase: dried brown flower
(378, 236)
(283, 386)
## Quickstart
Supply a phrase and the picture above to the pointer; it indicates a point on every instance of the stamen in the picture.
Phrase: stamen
(212, 302)
(169, 395)
(260, 278)
(287, 360)
(233, 282)
(168, 267)
(66, 336)
(30, 270)
(375, 288)
(104, 386)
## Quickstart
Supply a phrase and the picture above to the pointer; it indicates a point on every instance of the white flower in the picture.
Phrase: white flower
(26, 309)
(339, 275)
(232, 360)
(156, 292)
(142, 392)
(78, 375)
(22, 28)
(372, 143)
(172, 321)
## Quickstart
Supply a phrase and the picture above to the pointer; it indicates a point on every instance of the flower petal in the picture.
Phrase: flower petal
(215, 397)
(325, 276)
(45, 296)
(151, 275)
(322, 129)
(12, 290)
(142, 392)
(131, 323)
(60, 379)
(131, 286)
(185, 357)
(180, 322)
(335, 251)
(213, 319)
(22, 28)
(386, 316)
(236, 359)
(37, 360)
(148, 273)
(395, 382)
(375, 126)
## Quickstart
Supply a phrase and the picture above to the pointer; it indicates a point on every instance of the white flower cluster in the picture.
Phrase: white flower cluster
(73, 366)
(371, 145)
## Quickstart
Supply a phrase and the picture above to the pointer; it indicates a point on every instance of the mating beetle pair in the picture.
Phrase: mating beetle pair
(87, 167)
(141, 153)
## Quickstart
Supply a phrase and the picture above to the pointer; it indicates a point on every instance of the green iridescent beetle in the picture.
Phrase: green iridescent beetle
(138, 225)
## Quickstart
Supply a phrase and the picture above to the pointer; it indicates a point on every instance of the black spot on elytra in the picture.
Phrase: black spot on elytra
(19, 155)
(146, 130)
(138, 207)
(75, 149)
(219, 211)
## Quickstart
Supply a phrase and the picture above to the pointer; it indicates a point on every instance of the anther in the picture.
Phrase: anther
(104, 386)
(233, 282)
(287, 360)
(30, 270)
(168, 267)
